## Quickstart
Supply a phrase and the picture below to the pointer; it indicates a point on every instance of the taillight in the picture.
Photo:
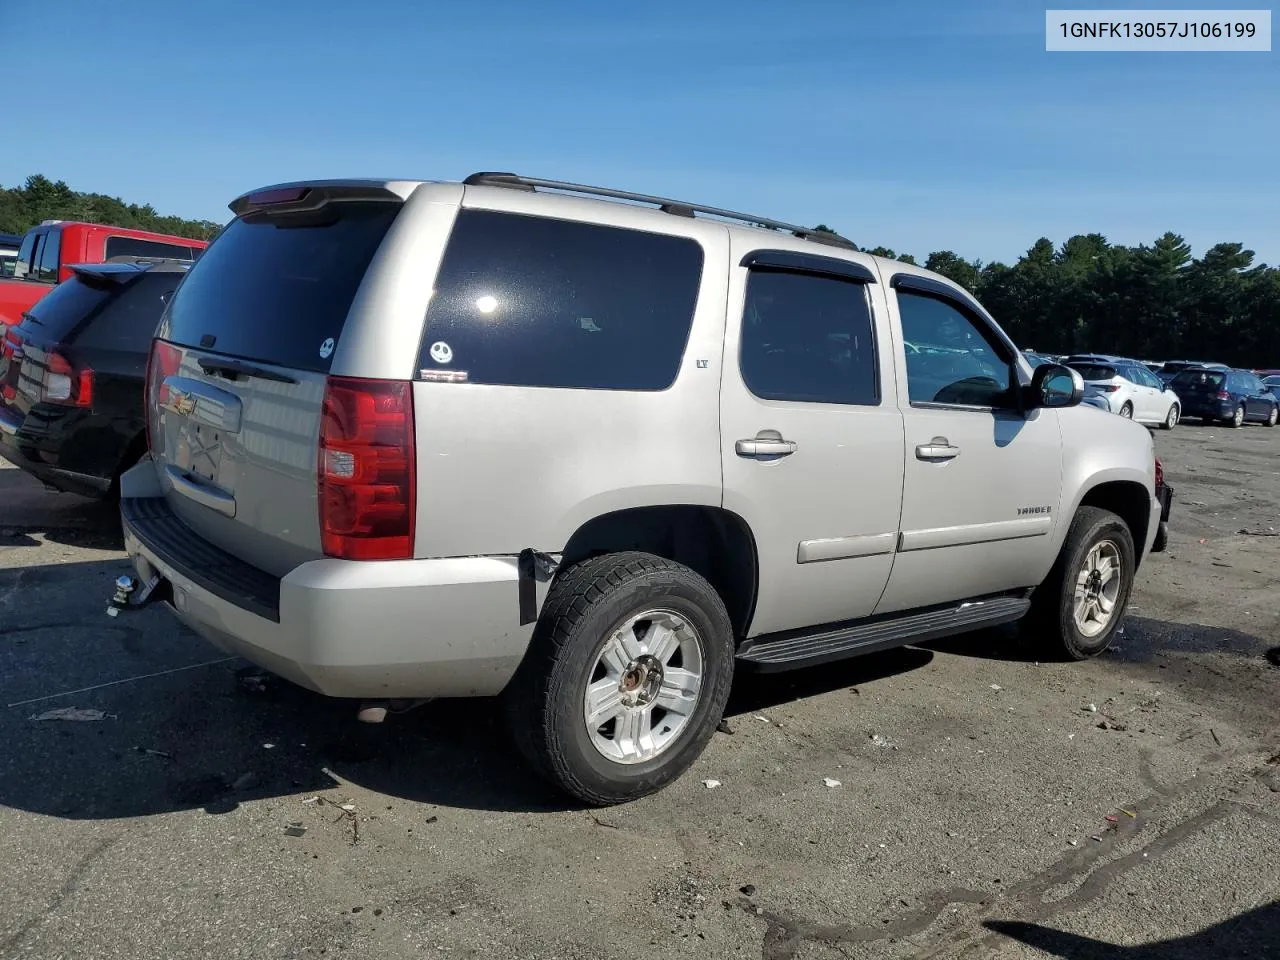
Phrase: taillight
(163, 362)
(63, 384)
(366, 469)
(1110, 388)
(1223, 395)
(1159, 474)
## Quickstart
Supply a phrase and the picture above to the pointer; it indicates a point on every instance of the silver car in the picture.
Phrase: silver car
(1131, 390)
(595, 451)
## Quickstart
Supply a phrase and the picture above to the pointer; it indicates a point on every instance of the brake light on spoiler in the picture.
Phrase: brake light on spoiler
(366, 475)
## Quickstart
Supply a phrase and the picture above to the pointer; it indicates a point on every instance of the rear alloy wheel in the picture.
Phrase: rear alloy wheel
(1077, 609)
(625, 679)
(1127, 411)
(1171, 420)
(1273, 417)
(1237, 418)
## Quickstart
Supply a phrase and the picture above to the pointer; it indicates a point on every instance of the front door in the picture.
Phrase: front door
(811, 440)
(982, 481)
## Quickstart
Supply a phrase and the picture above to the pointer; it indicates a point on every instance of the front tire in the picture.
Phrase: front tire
(626, 677)
(1076, 610)
(1171, 420)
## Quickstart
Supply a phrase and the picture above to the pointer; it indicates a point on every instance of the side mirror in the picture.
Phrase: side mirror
(1054, 386)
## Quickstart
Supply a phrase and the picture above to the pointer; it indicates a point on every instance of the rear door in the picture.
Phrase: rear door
(239, 374)
(811, 439)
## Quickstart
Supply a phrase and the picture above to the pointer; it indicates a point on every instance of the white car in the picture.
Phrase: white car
(1131, 390)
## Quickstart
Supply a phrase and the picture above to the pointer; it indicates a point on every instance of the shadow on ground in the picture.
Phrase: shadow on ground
(1141, 640)
(27, 508)
(190, 733)
(1255, 933)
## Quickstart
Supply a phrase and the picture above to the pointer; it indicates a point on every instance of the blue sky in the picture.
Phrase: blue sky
(917, 125)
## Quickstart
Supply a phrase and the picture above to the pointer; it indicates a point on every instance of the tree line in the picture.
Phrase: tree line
(1150, 301)
(41, 199)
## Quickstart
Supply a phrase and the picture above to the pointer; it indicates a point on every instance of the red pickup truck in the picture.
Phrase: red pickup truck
(47, 252)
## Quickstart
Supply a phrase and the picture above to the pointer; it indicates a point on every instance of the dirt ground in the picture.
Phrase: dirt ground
(989, 805)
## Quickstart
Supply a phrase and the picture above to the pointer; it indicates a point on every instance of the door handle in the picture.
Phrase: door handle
(939, 448)
(767, 443)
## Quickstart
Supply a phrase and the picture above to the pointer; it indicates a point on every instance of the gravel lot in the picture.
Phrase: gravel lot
(984, 808)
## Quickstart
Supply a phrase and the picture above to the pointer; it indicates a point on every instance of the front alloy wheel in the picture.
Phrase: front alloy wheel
(1097, 589)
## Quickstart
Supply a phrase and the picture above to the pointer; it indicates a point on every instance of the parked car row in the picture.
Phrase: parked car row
(47, 254)
(1161, 394)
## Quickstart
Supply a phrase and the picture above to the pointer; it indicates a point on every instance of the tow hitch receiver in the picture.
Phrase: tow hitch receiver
(131, 596)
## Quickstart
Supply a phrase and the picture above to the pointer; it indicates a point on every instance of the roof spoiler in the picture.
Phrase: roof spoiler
(312, 195)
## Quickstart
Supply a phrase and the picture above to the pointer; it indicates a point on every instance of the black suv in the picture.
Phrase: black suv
(72, 374)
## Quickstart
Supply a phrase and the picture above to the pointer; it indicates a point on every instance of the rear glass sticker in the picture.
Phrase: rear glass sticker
(441, 352)
(326, 348)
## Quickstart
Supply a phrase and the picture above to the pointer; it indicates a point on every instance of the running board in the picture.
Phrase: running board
(785, 651)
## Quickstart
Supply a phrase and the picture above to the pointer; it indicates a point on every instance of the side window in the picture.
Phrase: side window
(47, 264)
(808, 338)
(23, 267)
(950, 357)
(538, 302)
(133, 247)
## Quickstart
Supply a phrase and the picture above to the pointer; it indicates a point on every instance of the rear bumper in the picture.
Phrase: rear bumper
(1208, 409)
(370, 630)
(40, 460)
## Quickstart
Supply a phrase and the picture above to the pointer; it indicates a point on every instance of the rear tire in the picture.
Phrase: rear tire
(594, 632)
(1272, 418)
(1078, 608)
(1171, 420)
(1237, 418)
(1127, 411)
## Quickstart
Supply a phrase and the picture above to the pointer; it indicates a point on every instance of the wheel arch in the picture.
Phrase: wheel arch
(714, 542)
(1130, 500)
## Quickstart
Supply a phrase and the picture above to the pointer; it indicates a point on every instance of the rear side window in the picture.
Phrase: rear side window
(133, 247)
(532, 301)
(278, 289)
(808, 338)
(1094, 371)
(47, 264)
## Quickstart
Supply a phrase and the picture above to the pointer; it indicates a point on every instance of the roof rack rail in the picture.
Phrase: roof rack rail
(675, 207)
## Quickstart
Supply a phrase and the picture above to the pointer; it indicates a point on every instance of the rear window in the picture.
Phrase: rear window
(533, 301)
(133, 247)
(1199, 378)
(1095, 371)
(274, 289)
(63, 307)
(101, 313)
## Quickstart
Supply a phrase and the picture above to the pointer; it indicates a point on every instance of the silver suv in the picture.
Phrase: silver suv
(594, 451)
